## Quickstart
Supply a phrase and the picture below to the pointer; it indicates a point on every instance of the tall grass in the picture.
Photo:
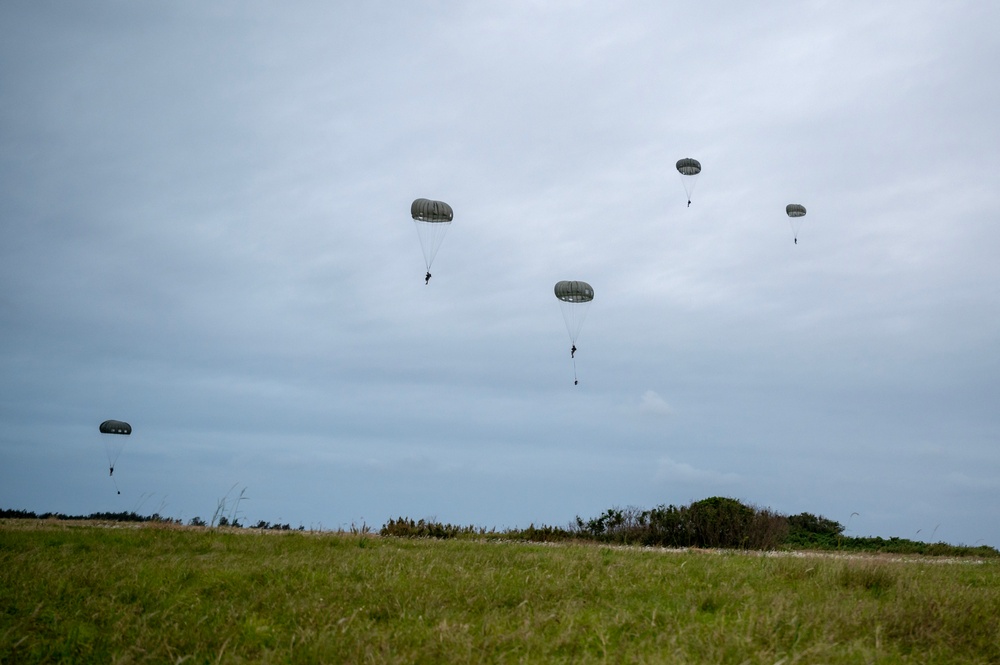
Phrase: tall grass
(160, 593)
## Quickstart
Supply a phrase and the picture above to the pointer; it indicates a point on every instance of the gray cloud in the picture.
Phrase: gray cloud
(205, 232)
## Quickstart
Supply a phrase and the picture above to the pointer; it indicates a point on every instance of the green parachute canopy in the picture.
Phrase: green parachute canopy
(688, 166)
(795, 210)
(425, 210)
(115, 427)
(574, 291)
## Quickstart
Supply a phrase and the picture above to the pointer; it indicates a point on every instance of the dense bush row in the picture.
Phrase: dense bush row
(135, 517)
(716, 522)
(105, 517)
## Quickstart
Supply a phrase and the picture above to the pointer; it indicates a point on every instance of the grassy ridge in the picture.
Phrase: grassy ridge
(156, 593)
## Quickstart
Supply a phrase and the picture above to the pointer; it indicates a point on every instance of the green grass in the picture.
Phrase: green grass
(78, 592)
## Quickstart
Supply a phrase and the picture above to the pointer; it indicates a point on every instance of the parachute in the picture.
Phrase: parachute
(795, 214)
(432, 219)
(574, 300)
(114, 432)
(689, 170)
(116, 427)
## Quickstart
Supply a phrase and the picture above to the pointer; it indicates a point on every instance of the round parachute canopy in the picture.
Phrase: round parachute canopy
(688, 166)
(425, 210)
(574, 291)
(795, 210)
(432, 219)
(115, 427)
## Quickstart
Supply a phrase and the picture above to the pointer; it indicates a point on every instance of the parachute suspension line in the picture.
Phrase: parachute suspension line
(576, 381)
(114, 449)
(111, 473)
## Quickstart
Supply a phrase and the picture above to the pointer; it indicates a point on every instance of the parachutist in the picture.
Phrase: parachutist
(689, 203)
(796, 241)
(111, 471)
(576, 382)
(572, 351)
(427, 278)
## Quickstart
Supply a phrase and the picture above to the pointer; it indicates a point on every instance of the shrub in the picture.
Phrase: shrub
(808, 530)
(540, 534)
(713, 522)
(407, 528)
(723, 522)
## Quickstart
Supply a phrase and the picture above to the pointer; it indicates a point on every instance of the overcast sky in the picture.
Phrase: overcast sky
(206, 233)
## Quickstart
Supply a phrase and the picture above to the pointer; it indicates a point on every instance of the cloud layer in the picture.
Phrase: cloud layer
(206, 233)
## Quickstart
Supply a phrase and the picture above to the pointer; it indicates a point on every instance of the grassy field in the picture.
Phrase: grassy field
(78, 592)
